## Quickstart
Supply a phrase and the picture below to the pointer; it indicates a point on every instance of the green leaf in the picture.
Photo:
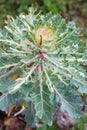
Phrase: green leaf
(67, 99)
(8, 99)
(66, 95)
(43, 106)
(8, 80)
(30, 114)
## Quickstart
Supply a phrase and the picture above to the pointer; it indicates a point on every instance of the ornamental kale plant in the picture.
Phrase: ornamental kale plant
(41, 65)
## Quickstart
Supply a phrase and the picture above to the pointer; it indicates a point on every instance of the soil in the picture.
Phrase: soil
(13, 123)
